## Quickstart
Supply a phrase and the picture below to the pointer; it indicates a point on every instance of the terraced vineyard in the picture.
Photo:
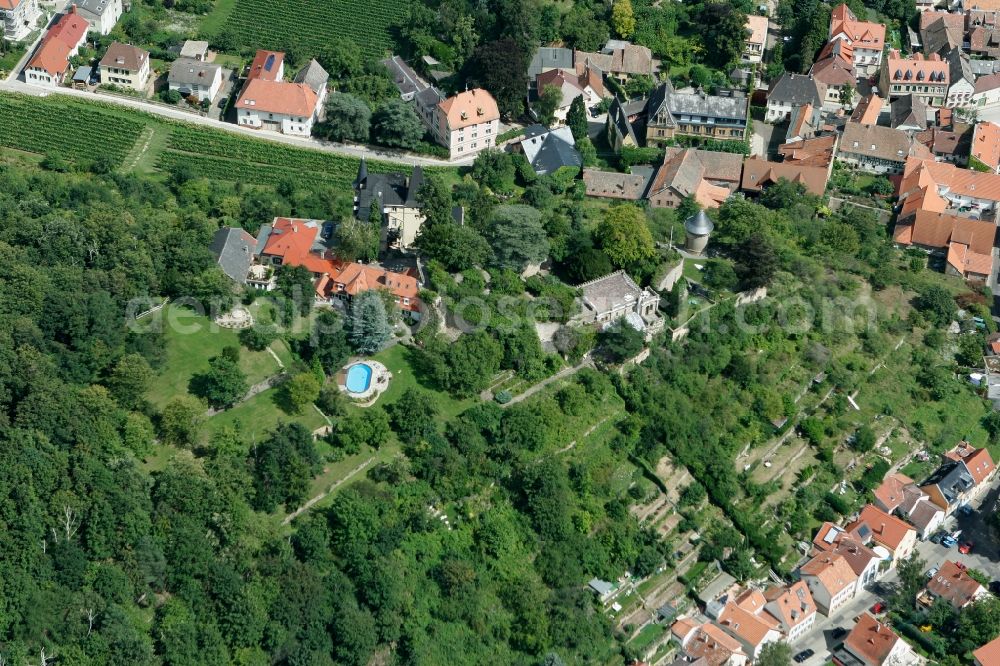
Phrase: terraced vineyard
(273, 25)
(75, 131)
(224, 156)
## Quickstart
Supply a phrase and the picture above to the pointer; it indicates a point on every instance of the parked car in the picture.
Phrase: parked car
(802, 656)
(840, 632)
(932, 572)
(947, 541)
(936, 537)
(966, 510)
(879, 607)
(965, 548)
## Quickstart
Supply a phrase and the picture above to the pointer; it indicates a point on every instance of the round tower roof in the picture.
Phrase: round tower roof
(699, 224)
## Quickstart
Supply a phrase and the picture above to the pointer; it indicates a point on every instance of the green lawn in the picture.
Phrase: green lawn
(647, 635)
(215, 19)
(399, 360)
(191, 340)
(259, 415)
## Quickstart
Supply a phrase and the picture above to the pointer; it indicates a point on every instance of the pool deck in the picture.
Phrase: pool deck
(379, 382)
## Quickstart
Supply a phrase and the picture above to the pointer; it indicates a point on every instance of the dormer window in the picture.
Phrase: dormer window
(465, 115)
(479, 111)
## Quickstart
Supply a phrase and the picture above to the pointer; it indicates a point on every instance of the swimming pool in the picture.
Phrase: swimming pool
(359, 378)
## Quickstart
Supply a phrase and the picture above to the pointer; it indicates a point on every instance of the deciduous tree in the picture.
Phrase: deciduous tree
(624, 235)
(347, 119)
(397, 125)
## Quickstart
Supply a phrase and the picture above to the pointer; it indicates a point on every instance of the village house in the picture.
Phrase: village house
(793, 607)
(868, 110)
(876, 526)
(407, 81)
(818, 151)
(942, 187)
(670, 114)
(831, 581)
(619, 60)
(466, 123)
(707, 644)
(315, 77)
(746, 620)
(619, 128)
(834, 68)
(756, 38)
(876, 644)
(548, 150)
(234, 251)
(589, 85)
(962, 86)
(877, 149)
(709, 177)
(967, 244)
(306, 243)
(927, 77)
(195, 78)
(125, 66)
(987, 91)
(962, 478)
(940, 32)
(395, 196)
(908, 113)
(953, 584)
(616, 296)
(50, 63)
(102, 15)
(19, 18)
(270, 103)
(986, 146)
(865, 562)
(759, 174)
(792, 91)
(614, 185)
(867, 40)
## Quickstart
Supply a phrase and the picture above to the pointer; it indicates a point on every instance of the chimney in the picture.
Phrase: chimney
(72, 8)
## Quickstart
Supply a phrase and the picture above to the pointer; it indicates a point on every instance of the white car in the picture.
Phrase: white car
(932, 572)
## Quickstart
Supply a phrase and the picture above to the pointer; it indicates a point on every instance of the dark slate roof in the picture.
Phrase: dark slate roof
(549, 58)
(314, 76)
(83, 73)
(407, 81)
(732, 106)
(262, 235)
(392, 189)
(234, 251)
(797, 89)
(959, 66)
(619, 117)
(189, 71)
(549, 150)
(984, 67)
(953, 478)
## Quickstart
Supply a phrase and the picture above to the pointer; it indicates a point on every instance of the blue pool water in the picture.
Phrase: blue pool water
(359, 378)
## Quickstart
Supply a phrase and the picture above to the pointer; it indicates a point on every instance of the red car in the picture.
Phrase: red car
(878, 608)
(965, 548)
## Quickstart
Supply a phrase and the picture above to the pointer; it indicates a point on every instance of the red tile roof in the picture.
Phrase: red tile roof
(53, 54)
(289, 99)
(759, 173)
(259, 68)
(791, 605)
(917, 69)
(868, 110)
(888, 530)
(989, 654)
(832, 571)
(952, 583)
(871, 640)
(861, 33)
(890, 493)
(816, 152)
(978, 461)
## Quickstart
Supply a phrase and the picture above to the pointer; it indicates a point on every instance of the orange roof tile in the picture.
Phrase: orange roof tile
(887, 530)
(989, 654)
(868, 110)
(978, 461)
(871, 640)
(758, 173)
(469, 108)
(711, 646)
(832, 571)
(867, 35)
(289, 99)
(809, 152)
(751, 628)
(938, 230)
(966, 262)
(890, 492)
(986, 144)
(53, 54)
(917, 69)
(791, 605)
(757, 25)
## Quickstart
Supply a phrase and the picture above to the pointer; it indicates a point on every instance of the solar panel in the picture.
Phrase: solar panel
(269, 63)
